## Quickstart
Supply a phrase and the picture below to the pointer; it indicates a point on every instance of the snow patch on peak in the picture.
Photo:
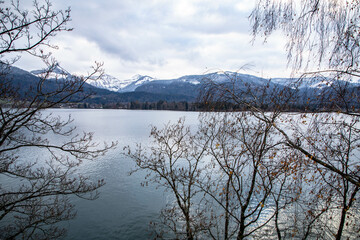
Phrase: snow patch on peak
(143, 79)
(111, 83)
(53, 72)
(136, 77)
(312, 82)
(194, 81)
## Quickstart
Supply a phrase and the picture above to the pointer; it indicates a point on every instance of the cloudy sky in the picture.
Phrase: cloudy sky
(163, 38)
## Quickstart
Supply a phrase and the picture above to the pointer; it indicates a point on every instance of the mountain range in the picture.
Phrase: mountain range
(149, 84)
(108, 89)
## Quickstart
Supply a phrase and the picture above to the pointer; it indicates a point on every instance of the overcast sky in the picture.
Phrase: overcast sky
(163, 38)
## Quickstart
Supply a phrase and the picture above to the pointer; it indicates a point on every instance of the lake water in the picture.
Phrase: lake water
(124, 208)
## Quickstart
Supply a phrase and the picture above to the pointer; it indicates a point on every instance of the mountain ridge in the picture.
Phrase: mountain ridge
(109, 90)
(137, 82)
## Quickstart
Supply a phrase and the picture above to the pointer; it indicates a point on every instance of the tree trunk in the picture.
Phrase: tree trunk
(277, 221)
(189, 234)
(227, 211)
(241, 232)
(342, 223)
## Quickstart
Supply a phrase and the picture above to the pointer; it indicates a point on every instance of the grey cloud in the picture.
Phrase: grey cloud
(145, 21)
(149, 34)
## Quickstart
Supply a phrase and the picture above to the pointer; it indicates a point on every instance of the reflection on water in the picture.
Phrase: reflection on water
(124, 208)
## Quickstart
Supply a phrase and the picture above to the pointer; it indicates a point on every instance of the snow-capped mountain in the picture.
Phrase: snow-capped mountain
(135, 82)
(55, 73)
(219, 77)
(113, 84)
(189, 85)
(302, 83)
(106, 81)
(109, 91)
(312, 83)
(147, 83)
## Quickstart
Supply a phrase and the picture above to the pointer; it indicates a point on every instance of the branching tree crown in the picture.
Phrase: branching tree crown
(37, 197)
(320, 32)
(26, 31)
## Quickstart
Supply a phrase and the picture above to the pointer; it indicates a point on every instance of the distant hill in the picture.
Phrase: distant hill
(109, 90)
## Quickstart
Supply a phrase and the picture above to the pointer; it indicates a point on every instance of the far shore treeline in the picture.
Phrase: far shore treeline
(188, 106)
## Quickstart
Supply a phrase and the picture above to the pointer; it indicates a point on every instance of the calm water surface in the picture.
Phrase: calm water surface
(124, 208)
